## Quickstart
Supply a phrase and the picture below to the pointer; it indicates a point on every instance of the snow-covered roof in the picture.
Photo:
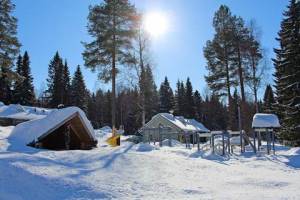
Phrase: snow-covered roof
(32, 130)
(185, 124)
(16, 111)
(262, 120)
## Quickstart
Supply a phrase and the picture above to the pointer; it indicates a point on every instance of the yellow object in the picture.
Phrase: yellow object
(114, 140)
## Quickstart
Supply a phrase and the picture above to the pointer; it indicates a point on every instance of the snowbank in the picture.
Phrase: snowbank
(262, 120)
(174, 143)
(144, 147)
(27, 132)
(146, 172)
(16, 111)
(106, 129)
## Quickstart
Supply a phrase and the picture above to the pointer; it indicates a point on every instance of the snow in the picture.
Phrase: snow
(189, 125)
(29, 131)
(145, 171)
(16, 111)
(261, 120)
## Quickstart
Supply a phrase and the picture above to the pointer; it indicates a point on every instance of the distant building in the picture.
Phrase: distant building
(169, 126)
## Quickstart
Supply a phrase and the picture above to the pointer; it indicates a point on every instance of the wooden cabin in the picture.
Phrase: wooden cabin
(63, 129)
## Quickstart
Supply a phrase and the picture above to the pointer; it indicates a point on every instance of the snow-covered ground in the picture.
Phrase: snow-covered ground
(144, 171)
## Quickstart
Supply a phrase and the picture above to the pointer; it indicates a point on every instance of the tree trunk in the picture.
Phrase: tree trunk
(228, 91)
(113, 96)
(241, 77)
(242, 88)
(254, 84)
(113, 86)
(142, 82)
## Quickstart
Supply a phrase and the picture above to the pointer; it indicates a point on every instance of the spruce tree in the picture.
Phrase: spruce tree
(189, 100)
(9, 48)
(165, 97)
(234, 113)
(179, 106)
(268, 100)
(151, 95)
(198, 102)
(66, 84)
(287, 74)
(27, 89)
(112, 25)
(54, 81)
(78, 90)
(99, 98)
(17, 92)
(92, 109)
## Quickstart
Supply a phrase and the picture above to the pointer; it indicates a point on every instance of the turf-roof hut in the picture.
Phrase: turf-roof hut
(62, 129)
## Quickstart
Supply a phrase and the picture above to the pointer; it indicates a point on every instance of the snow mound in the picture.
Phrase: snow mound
(235, 140)
(173, 143)
(144, 147)
(16, 111)
(106, 129)
(262, 120)
(293, 151)
(27, 132)
(102, 135)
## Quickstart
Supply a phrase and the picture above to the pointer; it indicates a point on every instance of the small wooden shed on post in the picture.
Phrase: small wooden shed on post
(265, 123)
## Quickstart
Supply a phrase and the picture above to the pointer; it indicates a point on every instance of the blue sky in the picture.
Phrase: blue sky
(47, 26)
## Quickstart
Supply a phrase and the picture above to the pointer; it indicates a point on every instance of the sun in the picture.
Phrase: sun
(155, 23)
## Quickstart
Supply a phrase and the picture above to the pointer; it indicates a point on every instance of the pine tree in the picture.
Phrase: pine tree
(287, 74)
(254, 55)
(9, 48)
(219, 55)
(78, 90)
(268, 100)
(165, 97)
(189, 100)
(112, 25)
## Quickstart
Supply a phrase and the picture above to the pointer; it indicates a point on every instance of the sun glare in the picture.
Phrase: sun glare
(156, 23)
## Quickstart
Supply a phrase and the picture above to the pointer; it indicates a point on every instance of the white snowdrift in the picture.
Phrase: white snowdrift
(16, 111)
(27, 132)
(262, 120)
(125, 172)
